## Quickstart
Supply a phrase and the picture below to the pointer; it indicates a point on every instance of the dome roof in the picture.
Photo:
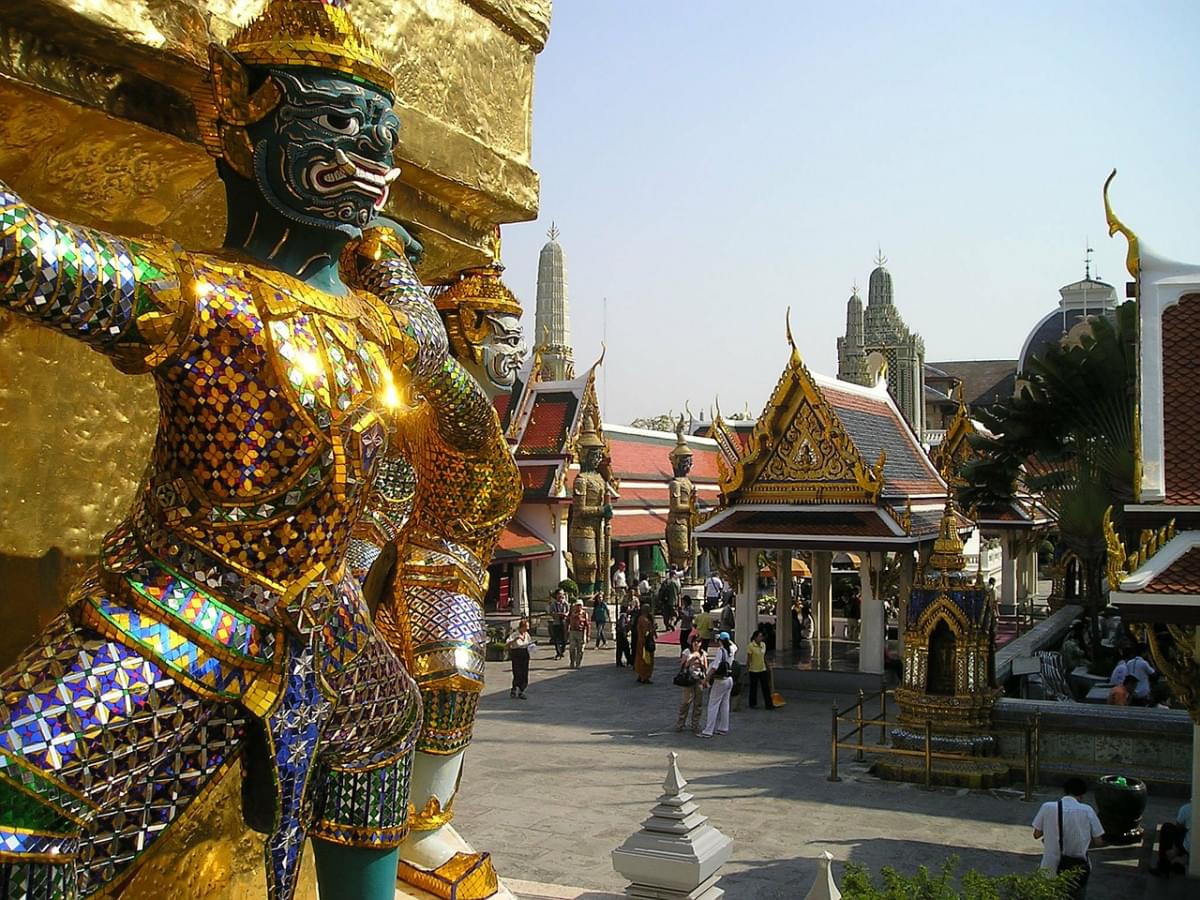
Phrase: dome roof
(1078, 300)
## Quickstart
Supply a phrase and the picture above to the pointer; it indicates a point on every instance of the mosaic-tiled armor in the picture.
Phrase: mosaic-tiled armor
(444, 526)
(222, 620)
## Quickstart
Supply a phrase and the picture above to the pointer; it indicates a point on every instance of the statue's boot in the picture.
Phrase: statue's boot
(434, 857)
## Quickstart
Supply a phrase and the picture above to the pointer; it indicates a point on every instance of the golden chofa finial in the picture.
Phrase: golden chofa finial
(787, 322)
(1133, 258)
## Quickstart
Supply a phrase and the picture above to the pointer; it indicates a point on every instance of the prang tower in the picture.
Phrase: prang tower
(552, 330)
(879, 336)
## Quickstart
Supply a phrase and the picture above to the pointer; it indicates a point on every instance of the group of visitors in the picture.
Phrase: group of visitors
(1069, 828)
(712, 667)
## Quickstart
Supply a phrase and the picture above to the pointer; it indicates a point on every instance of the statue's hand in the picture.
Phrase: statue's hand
(608, 511)
(378, 263)
(413, 248)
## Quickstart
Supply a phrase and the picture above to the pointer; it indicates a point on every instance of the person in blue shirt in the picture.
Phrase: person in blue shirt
(1174, 844)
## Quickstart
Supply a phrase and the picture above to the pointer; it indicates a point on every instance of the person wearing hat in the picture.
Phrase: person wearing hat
(720, 686)
(577, 629)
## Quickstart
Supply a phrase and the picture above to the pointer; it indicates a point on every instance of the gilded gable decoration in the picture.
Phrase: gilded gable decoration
(799, 452)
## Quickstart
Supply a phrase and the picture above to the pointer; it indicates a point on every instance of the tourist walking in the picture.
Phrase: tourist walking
(625, 619)
(644, 646)
(693, 667)
(1068, 828)
(760, 677)
(577, 629)
(600, 621)
(720, 685)
(687, 619)
(519, 643)
(714, 590)
(558, 610)
(619, 584)
(668, 600)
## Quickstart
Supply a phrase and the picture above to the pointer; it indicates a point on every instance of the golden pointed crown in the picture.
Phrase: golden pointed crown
(588, 438)
(317, 34)
(479, 290)
(681, 447)
(314, 33)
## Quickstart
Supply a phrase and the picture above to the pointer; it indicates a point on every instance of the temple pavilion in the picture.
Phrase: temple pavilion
(829, 466)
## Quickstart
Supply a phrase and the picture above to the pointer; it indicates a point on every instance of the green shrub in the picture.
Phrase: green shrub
(569, 586)
(923, 885)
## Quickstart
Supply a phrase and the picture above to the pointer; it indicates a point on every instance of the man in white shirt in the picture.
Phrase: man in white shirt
(714, 589)
(619, 584)
(1081, 830)
(1132, 665)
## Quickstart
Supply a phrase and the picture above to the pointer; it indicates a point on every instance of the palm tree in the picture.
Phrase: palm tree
(1067, 436)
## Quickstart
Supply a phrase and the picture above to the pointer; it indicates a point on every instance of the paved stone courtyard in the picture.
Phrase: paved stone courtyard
(554, 783)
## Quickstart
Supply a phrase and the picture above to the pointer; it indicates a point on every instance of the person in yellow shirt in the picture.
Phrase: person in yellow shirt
(760, 679)
(704, 627)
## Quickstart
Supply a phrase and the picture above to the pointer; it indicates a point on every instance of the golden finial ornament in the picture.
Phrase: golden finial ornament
(948, 553)
(1133, 258)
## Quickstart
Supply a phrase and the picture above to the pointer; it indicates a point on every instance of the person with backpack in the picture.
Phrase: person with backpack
(693, 666)
(1068, 829)
(720, 686)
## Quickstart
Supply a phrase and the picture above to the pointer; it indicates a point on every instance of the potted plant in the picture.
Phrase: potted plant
(496, 649)
(1120, 802)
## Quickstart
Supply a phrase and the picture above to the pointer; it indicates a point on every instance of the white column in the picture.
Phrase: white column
(1022, 572)
(745, 611)
(1031, 561)
(871, 632)
(783, 603)
(1008, 571)
(520, 590)
(822, 594)
(907, 567)
(635, 567)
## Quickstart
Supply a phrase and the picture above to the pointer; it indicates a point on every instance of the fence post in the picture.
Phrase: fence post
(882, 711)
(861, 726)
(928, 755)
(1037, 749)
(833, 749)
(1028, 760)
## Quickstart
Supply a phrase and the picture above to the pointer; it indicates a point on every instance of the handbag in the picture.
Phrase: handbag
(1068, 863)
(685, 678)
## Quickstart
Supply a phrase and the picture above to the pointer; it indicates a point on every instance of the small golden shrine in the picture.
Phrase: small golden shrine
(949, 670)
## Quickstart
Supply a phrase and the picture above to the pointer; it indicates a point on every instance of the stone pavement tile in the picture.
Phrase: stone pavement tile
(553, 784)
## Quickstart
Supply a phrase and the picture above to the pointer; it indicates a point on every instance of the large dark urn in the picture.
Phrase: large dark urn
(1120, 807)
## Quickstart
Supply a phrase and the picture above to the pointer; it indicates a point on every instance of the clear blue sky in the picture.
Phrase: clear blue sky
(710, 164)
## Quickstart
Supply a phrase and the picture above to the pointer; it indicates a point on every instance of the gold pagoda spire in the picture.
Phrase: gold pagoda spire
(948, 553)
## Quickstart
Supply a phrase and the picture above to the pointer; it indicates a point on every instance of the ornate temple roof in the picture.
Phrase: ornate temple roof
(827, 464)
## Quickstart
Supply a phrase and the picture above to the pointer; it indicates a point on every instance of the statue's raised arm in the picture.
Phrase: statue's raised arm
(120, 296)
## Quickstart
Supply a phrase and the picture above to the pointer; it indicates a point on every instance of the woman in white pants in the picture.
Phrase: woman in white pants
(720, 684)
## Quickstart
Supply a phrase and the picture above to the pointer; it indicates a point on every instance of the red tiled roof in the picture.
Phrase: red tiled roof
(647, 458)
(549, 420)
(518, 542)
(1181, 401)
(644, 527)
(1182, 576)
(537, 480)
(874, 425)
(802, 520)
(502, 402)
